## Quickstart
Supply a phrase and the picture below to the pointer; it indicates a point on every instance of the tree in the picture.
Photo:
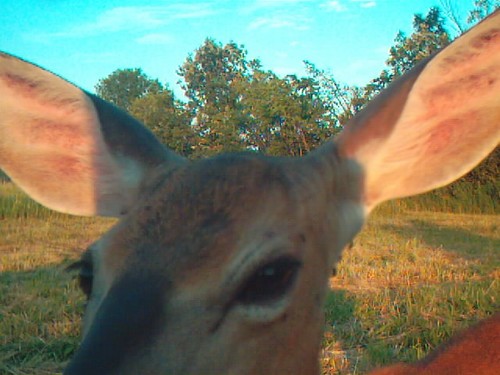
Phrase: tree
(429, 36)
(284, 116)
(482, 9)
(342, 102)
(209, 78)
(209, 74)
(167, 119)
(124, 85)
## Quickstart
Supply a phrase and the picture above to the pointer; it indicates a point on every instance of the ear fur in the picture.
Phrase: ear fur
(70, 150)
(433, 124)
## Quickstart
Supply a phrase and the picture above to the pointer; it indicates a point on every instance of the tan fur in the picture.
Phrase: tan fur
(213, 199)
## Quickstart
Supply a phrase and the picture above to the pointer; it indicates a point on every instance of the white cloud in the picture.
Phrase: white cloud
(130, 18)
(183, 11)
(339, 6)
(365, 3)
(266, 4)
(279, 22)
(155, 38)
(93, 57)
(334, 6)
(282, 71)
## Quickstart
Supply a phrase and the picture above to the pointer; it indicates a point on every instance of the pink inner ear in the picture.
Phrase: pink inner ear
(434, 124)
(53, 138)
(46, 132)
(52, 144)
(440, 137)
(488, 38)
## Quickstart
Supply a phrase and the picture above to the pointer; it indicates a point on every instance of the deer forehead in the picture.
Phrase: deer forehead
(209, 214)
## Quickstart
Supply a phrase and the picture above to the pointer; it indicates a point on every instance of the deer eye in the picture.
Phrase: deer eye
(270, 282)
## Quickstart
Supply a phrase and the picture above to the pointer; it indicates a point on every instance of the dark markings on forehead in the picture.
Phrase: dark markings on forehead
(205, 199)
(126, 322)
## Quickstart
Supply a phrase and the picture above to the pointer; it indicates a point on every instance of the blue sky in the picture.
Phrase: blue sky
(84, 41)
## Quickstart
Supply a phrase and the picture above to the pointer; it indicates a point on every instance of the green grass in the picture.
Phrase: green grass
(411, 281)
(459, 197)
(40, 304)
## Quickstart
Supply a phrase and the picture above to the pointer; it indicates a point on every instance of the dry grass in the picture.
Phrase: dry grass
(409, 283)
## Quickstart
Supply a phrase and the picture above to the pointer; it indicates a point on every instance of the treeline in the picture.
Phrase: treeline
(234, 104)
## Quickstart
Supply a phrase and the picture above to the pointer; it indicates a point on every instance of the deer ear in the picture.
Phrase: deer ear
(432, 125)
(70, 150)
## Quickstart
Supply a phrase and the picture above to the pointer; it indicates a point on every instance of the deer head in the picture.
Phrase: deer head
(221, 265)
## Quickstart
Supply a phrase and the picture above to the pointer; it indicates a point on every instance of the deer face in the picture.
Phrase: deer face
(221, 265)
(236, 274)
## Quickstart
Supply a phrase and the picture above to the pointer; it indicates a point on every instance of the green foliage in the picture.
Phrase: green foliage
(285, 116)
(459, 197)
(124, 85)
(236, 105)
(167, 118)
(341, 102)
(429, 35)
(209, 76)
(482, 9)
(153, 104)
(209, 79)
(3, 176)
(233, 104)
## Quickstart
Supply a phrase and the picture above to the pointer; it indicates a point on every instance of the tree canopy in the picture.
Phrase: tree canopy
(233, 104)
(124, 85)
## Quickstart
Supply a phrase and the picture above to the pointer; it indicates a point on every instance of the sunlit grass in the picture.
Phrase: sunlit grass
(40, 305)
(411, 280)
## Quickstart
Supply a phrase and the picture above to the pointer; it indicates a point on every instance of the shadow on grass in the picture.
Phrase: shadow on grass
(339, 307)
(340, 317)
(464, 243)
(40, 313)
(349, 344)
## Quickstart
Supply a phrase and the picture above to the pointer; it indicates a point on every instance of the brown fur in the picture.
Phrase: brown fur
(213, 199)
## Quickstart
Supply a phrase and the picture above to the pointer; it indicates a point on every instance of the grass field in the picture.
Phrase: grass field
(411, 280)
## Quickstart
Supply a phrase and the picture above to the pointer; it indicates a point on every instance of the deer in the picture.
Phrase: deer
(221, 265)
